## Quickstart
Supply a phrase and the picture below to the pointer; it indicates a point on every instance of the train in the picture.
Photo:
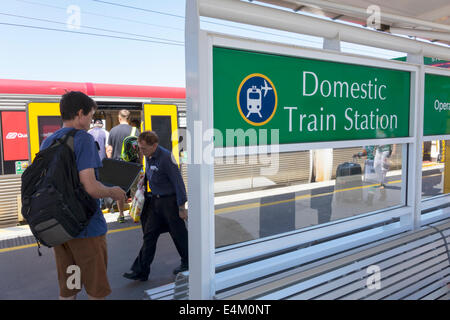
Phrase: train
(29, 112)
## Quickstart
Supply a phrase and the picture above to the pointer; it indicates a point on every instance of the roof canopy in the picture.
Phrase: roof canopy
(428, 20)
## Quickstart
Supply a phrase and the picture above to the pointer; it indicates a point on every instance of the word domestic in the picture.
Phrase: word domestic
(354, 119)
(369, 90)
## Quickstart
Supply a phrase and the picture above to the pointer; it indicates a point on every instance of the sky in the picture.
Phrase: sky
(114, 41)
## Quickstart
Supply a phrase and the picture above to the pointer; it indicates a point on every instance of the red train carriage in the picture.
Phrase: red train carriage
(29, 111)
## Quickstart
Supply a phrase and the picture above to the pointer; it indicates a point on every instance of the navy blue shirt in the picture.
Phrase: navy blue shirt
(86, 156)
(163, 175)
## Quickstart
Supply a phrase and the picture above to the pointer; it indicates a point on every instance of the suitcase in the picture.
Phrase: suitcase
(348, 176)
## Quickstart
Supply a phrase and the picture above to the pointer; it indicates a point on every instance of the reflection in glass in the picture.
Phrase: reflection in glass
(435, 179)
(310, 188)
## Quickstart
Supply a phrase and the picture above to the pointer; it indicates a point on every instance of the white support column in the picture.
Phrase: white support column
(415, 150)
(323, 158)
(200, 169)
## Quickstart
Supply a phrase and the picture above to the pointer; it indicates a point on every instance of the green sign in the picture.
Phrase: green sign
(21, 166)
(436, 105)
(284, 99)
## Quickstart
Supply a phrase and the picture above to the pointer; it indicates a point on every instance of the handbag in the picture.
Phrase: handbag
(138, 200)
(370, 174)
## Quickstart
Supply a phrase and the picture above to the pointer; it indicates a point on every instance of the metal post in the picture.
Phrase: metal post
(415, 150)
(200, 172)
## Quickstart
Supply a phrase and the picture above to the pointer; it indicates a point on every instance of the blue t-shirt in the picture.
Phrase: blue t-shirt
(86, 156)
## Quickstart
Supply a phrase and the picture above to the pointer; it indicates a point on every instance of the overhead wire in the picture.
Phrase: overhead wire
(182, 17)
(202, 20)
(88, 33)
(167, 14)
(230, 26)
(101, 15)
(88, 27)
(140, 9)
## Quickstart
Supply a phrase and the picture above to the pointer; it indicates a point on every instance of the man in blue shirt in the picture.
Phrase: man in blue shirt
(164, 209)
(88, 251)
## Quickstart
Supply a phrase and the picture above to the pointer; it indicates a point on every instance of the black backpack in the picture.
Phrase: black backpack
(54, 203)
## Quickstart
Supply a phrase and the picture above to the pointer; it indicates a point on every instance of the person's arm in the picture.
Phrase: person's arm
(108, 145)
(393, 147)
(106, 138)
(109, 150)
(360, 154)
(96, 189)
(177, 181)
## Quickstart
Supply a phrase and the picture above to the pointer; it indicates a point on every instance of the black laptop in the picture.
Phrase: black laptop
(119, 173)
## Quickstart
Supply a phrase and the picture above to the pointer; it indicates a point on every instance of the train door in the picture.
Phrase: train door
(43, 118)
(163, 119)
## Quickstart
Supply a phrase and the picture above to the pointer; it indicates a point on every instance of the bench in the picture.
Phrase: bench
(409, 265)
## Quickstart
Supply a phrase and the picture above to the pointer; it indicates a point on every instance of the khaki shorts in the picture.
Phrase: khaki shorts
(90, 255)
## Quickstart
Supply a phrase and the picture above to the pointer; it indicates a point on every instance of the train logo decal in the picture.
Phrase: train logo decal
(257, 99)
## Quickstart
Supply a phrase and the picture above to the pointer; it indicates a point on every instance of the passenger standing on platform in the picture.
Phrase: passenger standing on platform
(381, 162)
(101, 137)
(114, 149)
(88, 251)
(164, 209)
(370, 175)
(382, 165)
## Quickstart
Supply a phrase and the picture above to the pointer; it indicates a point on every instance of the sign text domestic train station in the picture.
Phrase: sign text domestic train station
(306, 100)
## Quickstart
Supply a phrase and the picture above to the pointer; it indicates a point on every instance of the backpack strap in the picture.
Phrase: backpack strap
(68, 139)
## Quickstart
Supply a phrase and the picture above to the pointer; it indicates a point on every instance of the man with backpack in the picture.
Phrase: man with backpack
(88, 250)
(116, 138)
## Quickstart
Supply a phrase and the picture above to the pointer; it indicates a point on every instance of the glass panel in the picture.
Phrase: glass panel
(265, 195)
(47, 126)
(163, 128)
(433, 168)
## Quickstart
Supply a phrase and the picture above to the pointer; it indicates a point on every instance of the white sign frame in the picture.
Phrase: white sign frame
(202, 254)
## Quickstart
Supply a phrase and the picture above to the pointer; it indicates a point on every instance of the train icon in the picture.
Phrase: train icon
(256, 99)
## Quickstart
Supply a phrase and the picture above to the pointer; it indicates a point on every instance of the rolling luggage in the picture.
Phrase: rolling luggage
(348, 186)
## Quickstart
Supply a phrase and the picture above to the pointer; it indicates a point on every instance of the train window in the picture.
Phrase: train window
(163, 128)
(47, 126)
(435, 174)
(308, 188)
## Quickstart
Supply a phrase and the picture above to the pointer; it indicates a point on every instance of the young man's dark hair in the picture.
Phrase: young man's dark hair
(72, 101)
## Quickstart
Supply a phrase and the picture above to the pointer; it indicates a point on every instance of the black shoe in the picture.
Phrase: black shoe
(180, 268)
(134, 276)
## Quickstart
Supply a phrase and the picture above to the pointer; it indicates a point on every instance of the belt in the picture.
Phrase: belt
(159, 196)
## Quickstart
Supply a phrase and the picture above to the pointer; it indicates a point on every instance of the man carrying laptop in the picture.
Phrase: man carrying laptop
(164, 209)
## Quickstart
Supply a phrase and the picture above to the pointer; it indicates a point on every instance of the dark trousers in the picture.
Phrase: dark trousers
(159, 216)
